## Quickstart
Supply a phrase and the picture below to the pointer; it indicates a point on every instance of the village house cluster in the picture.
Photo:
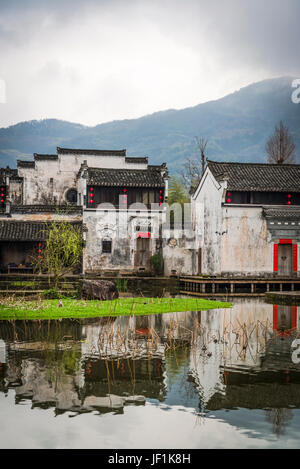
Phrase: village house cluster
(245, 218)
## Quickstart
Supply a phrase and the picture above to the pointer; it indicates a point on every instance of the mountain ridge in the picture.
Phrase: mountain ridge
(236, 125)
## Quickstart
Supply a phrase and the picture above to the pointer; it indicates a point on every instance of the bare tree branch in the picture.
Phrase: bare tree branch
(193, 168)
(281, 147)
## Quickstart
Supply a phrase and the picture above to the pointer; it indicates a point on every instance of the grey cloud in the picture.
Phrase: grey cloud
(103, 52)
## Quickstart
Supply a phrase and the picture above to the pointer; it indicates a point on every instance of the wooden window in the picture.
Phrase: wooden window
(106, 246)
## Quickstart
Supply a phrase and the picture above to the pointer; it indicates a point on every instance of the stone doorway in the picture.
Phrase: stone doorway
(285, 259)
(142, 252)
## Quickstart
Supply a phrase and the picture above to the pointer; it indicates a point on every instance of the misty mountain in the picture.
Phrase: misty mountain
(237, 127)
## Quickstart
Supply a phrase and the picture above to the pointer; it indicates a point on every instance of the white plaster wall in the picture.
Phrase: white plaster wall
(207, 220)
(246, 246)
(119, 227)
(15, 192)
(37, 188)
(182, 258)
(72, 162)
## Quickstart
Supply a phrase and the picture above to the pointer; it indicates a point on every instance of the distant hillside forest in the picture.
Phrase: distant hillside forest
(236, 127)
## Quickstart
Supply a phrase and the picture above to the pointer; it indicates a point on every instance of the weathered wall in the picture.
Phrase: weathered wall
(119, 227)
(15, 192)
(246, 246)
(46, 216)
(235, 239)
(49, 181)
(46, 183)
(179, 252)
(207, 221)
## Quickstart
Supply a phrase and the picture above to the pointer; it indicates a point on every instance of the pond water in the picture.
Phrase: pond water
(226, 378)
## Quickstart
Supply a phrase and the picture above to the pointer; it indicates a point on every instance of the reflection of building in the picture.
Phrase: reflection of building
(225, 358)
(240, 350)
(59, 367)
(2, 351)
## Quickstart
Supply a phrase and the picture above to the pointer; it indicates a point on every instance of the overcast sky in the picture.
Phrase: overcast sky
(93, 61)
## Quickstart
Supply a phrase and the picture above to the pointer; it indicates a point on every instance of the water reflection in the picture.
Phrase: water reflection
(210, 360)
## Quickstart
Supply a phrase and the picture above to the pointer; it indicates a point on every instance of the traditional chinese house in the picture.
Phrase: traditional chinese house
(117, 200)
(249, 218)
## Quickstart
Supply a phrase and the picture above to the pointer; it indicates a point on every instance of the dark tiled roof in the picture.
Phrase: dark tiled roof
(92, 152)
(288, 213)
(136, 159)
(25, 230)
(258, 177)
(46, 208)
(25, 164)
(150, 177)
(38, 156)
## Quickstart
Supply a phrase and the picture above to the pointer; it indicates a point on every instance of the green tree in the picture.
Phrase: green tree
(176, 192)
(62, 250)
(176, 195)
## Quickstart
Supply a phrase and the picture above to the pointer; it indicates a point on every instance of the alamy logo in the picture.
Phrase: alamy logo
(296, 353)
(2, 92)
(296, 94)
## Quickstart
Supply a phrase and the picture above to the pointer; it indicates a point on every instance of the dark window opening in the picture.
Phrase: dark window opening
(71, 196)
(106, 247)
(262, 198)
(119, 196)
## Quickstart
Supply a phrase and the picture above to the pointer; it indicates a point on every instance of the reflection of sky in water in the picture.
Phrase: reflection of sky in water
(232, 385)
(141, 427)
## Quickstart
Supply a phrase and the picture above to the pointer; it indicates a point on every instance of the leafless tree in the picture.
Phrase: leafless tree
(202, 144)
(281, 147)
(193, 168)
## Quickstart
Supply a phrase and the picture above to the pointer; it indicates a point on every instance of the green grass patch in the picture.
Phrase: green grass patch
(72, 308)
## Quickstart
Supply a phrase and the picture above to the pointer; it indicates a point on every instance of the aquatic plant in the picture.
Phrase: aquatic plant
(13, 308)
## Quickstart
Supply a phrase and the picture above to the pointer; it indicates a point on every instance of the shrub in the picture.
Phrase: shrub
(157, 263)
